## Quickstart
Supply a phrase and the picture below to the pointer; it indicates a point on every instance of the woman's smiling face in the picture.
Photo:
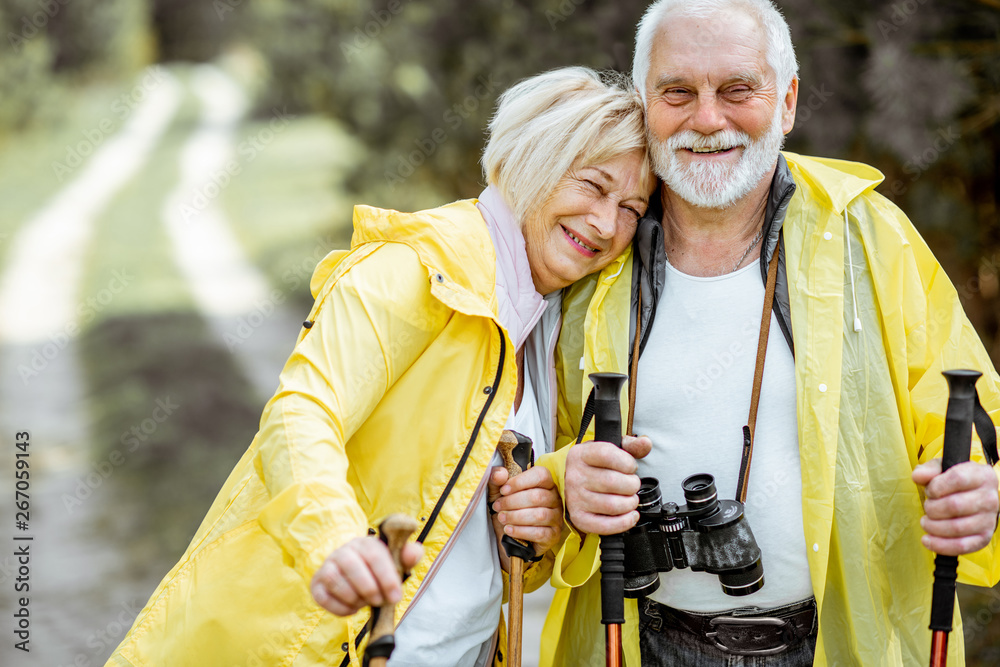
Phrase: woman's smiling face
(587, 221)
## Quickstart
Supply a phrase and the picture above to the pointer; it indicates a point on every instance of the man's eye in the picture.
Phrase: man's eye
(738, 92)
(677, 95)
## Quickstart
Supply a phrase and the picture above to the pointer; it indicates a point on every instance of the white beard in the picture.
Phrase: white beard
(716, 185)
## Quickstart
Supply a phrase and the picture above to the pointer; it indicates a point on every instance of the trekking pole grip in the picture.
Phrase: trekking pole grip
(608, 428)
(393, 531)
(956, 450)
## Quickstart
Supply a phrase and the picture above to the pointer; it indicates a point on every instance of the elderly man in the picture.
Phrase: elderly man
(846, 498)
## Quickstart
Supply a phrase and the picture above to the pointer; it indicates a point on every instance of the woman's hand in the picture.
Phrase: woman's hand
(361, 574)
(529, 508)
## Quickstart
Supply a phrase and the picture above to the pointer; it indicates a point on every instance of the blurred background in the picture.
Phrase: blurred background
(172, 170)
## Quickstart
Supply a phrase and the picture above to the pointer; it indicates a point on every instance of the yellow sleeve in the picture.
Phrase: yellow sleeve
(940, 337)
(578, 557)
(372, 320)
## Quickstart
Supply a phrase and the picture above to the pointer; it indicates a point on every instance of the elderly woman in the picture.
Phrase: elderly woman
(432, 334)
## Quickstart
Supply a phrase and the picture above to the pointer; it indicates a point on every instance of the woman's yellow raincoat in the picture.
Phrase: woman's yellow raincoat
(870, 408)
(393, 401)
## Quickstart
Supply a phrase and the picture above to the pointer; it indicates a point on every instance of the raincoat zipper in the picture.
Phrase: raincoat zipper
(454, 476)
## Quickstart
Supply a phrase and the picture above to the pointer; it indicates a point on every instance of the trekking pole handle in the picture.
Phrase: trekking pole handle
(394, 531)
(956, 450)
(608, 428)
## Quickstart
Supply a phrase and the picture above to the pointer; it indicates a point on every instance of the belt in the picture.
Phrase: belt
(746, 631)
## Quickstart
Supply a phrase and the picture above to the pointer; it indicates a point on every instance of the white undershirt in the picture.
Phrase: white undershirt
(693, 399)
(454, 620)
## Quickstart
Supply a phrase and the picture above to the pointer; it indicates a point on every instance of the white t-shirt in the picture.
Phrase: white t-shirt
(456, 617)
(693, 399)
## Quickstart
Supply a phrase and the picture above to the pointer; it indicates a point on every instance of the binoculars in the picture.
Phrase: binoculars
(706, 535)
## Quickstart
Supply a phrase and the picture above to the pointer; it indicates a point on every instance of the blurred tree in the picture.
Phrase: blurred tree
(196, 30)
(52, 43)
(24, 68)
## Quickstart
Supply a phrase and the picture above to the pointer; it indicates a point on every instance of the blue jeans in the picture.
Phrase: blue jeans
(662, 644)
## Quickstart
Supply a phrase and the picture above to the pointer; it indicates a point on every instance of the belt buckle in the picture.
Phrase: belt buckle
(769, 621)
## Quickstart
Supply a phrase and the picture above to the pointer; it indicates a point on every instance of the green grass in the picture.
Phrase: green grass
(27, 177)
(287, 204)
(129, 236)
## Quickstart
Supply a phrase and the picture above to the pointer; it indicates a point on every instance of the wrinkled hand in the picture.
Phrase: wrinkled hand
(529, 506)
(361, 574)
(961, 506)
(601, 485)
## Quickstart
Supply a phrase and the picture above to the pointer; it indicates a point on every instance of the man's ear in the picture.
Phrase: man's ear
(790, 101)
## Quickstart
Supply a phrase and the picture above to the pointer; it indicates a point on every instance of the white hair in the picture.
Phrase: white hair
(780, 52)
(548, 124)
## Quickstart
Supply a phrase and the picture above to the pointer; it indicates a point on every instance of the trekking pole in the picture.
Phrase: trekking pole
(608, 428)
(515, 449)
(394, 531)
(962, 400)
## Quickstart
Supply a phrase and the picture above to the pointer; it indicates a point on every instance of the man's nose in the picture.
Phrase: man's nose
(708, 117)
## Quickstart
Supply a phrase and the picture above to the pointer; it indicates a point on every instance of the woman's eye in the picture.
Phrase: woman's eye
(594, 185)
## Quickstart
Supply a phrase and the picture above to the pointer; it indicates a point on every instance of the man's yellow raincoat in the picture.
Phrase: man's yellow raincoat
(393, 401)
(870, 408)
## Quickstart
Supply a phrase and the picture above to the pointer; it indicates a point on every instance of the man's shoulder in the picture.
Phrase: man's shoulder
(836, 182)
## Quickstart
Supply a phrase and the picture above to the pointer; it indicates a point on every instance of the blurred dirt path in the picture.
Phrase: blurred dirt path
(234, 297)
(41, 391)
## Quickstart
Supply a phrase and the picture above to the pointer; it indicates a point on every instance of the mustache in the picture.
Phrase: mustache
(721, 140)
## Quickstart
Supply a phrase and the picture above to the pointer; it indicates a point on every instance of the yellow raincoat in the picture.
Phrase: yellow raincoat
(870, 408)
(393, 401)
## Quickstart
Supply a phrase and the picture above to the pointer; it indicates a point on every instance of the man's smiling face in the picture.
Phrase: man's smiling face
(714, 116)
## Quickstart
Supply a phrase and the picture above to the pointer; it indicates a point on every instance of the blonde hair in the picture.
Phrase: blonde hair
(780, 51)
(548, 124)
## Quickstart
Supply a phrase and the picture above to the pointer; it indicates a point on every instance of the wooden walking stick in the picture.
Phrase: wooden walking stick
(964, 409)
(515, 449)
(608, 428)
(394, 531)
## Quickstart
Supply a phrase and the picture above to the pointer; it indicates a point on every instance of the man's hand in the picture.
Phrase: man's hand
(601, 485)
(529, 507)
(361, 574)
(961, 506)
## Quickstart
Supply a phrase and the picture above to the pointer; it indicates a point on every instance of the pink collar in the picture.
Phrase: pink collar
(519, 306)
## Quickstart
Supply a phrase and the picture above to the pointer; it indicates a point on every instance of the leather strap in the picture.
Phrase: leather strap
(758, 377)
(633, 375)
